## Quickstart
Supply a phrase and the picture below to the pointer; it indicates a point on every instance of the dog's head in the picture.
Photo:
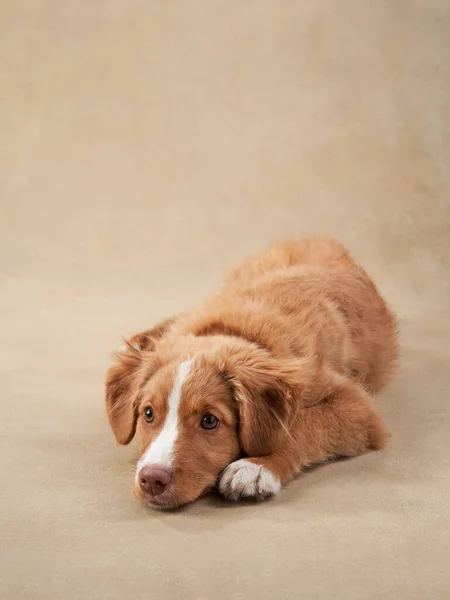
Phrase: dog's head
(193, 416)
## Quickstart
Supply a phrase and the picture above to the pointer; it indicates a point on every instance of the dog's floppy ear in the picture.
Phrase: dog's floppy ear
(135, 362)
(124, 380)
(122, 388)
(266, 390)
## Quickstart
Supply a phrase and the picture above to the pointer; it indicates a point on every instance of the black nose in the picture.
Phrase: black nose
(153, 479)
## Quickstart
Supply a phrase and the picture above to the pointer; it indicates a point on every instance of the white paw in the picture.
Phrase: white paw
(244, 479)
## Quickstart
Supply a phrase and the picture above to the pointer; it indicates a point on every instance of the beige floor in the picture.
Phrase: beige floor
(145, 147)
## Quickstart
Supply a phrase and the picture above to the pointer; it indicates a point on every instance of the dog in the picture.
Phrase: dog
(273, 374)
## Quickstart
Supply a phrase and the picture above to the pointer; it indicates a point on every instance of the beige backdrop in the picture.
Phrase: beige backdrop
(145, 147)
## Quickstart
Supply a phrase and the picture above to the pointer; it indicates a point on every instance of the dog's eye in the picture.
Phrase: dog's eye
(209, 422)
(148, 415)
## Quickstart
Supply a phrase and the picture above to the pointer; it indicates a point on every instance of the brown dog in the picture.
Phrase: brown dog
(273, 374)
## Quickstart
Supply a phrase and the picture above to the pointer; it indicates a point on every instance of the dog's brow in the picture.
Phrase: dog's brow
(193, 406)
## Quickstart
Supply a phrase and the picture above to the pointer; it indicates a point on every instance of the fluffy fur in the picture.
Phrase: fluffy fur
(286, 357)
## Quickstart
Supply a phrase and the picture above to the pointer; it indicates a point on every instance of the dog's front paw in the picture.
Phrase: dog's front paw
(244, 479)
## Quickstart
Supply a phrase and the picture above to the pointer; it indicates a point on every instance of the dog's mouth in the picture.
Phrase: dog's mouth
(165, 503)
(165, 500)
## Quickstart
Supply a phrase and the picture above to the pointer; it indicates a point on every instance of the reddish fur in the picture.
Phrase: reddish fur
(287, 353)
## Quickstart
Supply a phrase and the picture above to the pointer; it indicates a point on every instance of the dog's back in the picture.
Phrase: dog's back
(322, 252)
(331, 304)
(296, 298)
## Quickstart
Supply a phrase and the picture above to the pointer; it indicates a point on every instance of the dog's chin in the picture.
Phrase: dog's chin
(163, 507)
(169, 499)
(165, 501)
(161, 503)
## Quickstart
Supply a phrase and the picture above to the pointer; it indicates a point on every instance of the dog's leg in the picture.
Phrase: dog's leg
(345, 424)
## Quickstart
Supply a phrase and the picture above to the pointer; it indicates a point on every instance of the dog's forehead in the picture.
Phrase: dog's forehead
(203, 386)
(191, 383)
(160, 384)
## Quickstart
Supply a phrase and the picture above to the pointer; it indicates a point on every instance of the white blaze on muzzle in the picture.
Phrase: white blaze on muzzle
(160, 451)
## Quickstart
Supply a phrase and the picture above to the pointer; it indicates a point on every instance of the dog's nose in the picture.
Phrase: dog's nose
(153, 479)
